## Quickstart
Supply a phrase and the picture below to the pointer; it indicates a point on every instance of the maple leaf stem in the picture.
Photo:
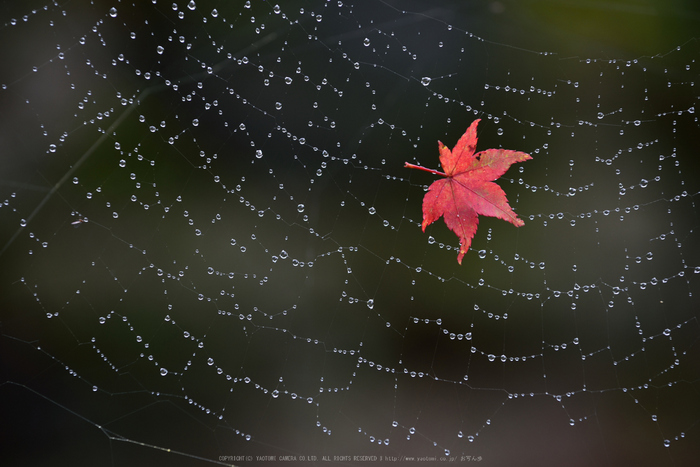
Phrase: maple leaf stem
(413, 166)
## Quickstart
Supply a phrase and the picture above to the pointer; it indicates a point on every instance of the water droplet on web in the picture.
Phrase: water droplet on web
(258, 154)
(366, 42)
(372, 210)
(192, 5)
(287, 80)
(499, 131)
(278, 105)
(113, 12)
(52, 148)
(425, 81)
(300, 208)
(163, 372)
(160, 50)
(214, 13)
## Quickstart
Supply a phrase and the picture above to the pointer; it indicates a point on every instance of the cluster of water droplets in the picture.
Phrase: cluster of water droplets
(256, 185)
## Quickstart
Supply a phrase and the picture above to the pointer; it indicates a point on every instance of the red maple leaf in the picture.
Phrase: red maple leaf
(468, 188)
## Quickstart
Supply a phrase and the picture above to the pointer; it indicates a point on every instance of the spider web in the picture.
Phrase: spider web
(212, 252)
